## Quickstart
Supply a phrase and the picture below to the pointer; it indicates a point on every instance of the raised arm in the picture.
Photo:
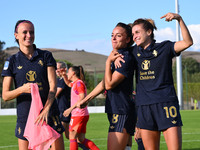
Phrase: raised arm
(187, 39)
(64, 75)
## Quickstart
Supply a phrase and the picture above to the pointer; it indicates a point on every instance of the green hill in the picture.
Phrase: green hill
(90, 61)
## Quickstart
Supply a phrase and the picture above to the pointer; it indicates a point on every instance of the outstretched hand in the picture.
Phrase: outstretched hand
(171, 16)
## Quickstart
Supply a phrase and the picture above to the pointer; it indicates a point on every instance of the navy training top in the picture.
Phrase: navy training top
(24, 70)
(119, 99)
(63, 98)
(154, 73)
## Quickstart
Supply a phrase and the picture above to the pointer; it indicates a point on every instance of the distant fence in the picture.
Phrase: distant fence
(95, 109)
(11, 111)
(7, 111)
(91, 109)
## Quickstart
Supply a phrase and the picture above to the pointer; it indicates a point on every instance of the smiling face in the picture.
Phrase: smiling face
(25, 34)
(70, 74)
(119, 38)
(140, 36)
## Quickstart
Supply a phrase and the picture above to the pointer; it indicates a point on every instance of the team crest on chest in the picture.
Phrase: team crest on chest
(40, 62)
(19, 67)
(155, 53)
(145, 64)
(31, 75)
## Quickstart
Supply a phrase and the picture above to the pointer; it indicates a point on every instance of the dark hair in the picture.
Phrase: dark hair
(79, 72)
(17, 25)
(148, 24)
(128, 31)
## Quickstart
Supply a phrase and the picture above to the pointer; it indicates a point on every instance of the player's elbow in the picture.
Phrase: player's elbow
(4, 97)
(108, 87)
(189, 43)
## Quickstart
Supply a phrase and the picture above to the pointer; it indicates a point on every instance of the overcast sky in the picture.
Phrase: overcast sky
(88, 24)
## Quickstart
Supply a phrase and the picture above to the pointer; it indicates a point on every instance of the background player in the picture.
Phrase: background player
(63, 97)
(75, 79)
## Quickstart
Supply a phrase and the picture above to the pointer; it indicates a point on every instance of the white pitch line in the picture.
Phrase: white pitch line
(184, 141)
(191, 133)
(8, 146)
(101, 139)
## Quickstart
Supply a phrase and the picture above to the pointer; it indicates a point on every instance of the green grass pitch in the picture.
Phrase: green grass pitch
(97, 131)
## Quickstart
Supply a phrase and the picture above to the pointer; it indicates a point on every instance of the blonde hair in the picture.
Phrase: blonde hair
(152, 23)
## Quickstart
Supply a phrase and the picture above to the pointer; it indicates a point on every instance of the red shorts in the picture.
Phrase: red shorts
(78, 124)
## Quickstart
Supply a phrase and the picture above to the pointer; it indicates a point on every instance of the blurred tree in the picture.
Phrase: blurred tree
(191, 65)
(2, 59)
(1, 45)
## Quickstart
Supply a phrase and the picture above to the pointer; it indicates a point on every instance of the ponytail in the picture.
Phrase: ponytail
(82, 75)
(79, 72)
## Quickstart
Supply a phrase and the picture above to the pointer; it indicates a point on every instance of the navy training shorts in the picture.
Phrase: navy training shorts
(159, 116)
(118, 122)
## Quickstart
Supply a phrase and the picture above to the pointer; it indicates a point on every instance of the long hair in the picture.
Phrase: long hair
(79, 72)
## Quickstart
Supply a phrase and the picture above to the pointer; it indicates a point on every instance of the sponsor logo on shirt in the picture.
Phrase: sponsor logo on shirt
(146, 74)
(145, 64)
(31, 75)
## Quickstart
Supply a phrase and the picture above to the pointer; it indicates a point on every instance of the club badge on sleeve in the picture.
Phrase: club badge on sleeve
(6, 65)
